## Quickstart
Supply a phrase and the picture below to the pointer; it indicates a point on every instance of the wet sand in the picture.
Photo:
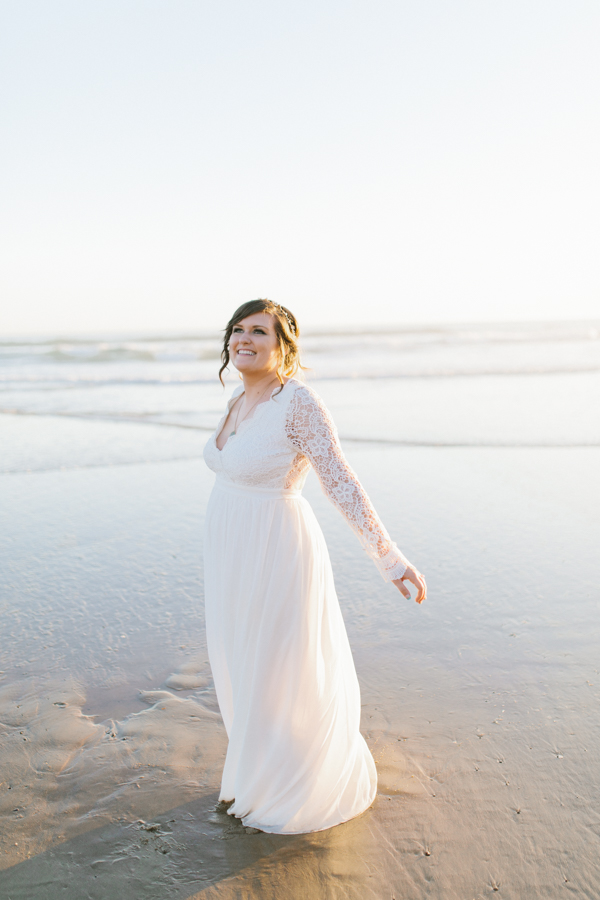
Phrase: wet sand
(481, 707)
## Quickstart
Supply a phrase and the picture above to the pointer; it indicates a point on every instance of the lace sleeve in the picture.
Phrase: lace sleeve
(310, 429)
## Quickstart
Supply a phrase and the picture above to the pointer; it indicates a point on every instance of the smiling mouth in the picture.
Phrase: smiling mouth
(246, 353)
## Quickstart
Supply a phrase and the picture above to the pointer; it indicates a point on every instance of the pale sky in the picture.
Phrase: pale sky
(360, 162)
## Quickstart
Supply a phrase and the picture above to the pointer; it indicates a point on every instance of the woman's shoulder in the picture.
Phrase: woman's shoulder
(302, 392)
(302, 399)
(307, 417)
(235, 394)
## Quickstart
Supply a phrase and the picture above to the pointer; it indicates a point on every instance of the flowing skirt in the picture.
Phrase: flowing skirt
(282, 666)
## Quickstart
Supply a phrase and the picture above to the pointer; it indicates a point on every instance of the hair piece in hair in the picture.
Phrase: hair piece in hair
(290, 320)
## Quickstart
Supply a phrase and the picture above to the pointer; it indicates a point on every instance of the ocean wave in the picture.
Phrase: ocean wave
(38, 381)
(104, 350)
(418, 354)
(94, 353)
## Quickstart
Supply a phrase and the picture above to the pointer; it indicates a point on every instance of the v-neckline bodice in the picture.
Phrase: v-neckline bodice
(277, 389)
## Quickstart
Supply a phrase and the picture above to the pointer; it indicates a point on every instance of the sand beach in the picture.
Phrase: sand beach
(480, 450)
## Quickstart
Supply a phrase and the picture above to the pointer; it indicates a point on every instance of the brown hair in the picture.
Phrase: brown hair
(286, 330)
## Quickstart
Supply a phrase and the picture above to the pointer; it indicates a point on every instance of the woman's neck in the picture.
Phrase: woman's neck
(255, 382)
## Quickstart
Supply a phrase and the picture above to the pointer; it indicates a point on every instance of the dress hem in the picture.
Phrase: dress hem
(273, 830)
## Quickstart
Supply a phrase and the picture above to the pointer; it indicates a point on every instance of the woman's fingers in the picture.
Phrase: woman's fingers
(419, 583)
(402, 587)
(421, 589)
(415, 578)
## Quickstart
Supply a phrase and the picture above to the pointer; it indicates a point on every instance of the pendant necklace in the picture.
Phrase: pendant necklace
(232, 433)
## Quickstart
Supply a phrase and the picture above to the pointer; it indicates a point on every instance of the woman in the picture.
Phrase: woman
(283, 670)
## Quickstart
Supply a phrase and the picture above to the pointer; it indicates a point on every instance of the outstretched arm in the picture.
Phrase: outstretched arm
(311, 430)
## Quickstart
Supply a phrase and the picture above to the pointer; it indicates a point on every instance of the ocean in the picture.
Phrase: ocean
(454, 385)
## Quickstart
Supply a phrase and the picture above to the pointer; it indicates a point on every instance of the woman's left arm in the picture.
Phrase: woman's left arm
(310, 429)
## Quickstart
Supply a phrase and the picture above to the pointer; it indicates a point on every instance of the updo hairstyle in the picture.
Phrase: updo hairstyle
(286, 330)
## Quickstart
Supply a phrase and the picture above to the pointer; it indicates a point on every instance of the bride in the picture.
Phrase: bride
(283, 669)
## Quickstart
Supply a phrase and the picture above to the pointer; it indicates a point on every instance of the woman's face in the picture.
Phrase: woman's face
(253, 345)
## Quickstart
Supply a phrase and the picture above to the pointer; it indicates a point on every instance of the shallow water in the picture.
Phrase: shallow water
(481, 707)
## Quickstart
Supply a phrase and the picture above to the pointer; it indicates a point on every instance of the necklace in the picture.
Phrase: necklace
(231, 433)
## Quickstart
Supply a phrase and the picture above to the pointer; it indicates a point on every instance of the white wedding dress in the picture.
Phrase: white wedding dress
(282, 666)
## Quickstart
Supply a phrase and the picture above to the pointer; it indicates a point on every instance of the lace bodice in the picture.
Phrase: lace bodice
(276, 447)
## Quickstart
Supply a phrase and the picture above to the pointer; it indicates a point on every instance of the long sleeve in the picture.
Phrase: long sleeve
(310, 429)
